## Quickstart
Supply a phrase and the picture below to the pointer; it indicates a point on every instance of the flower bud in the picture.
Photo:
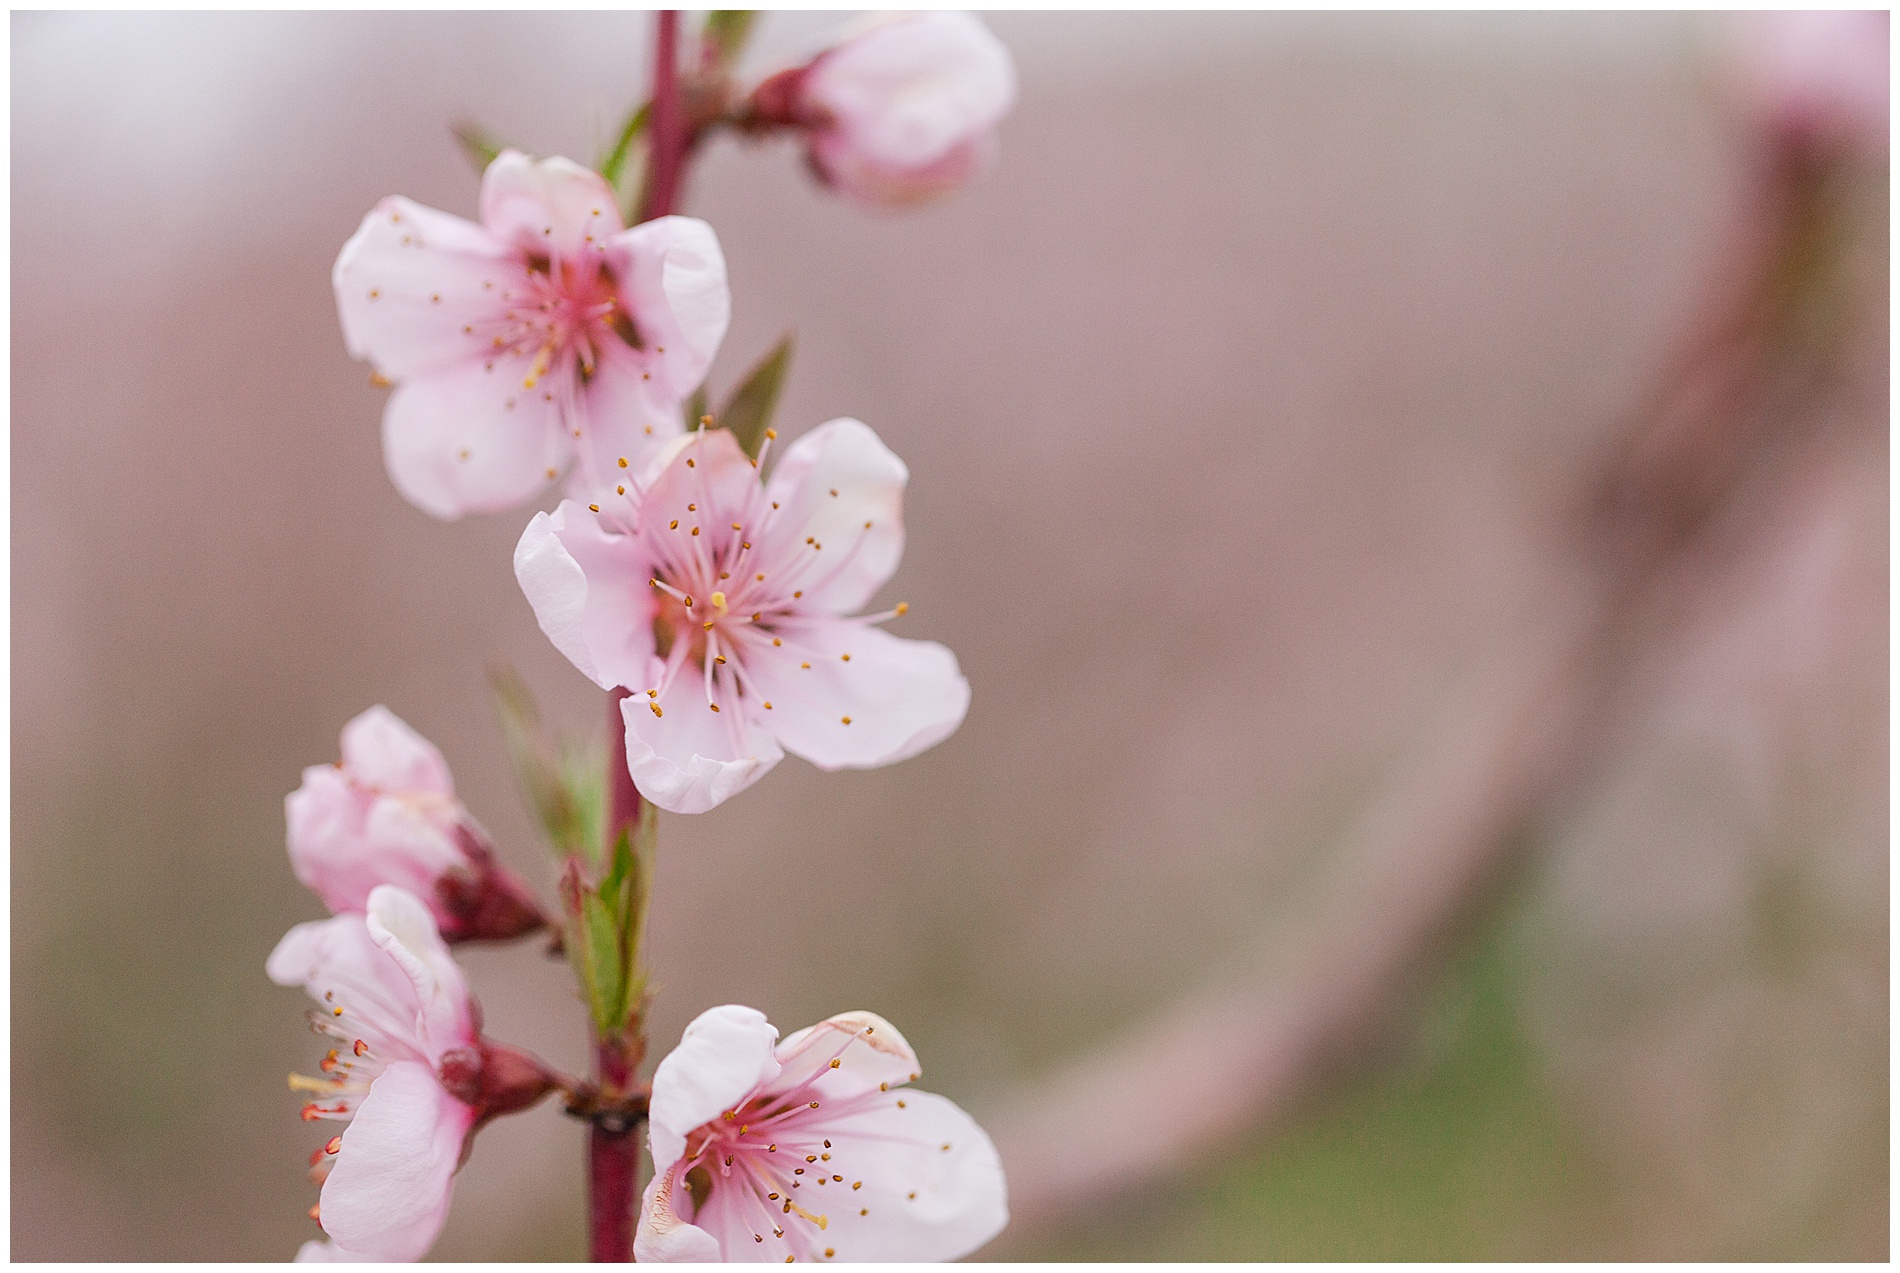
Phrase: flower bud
(1817, 78)
(387, 814)
(494, 1078)
(904, 112)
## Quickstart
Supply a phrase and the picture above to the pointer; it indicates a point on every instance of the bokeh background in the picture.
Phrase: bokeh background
(1250, 405)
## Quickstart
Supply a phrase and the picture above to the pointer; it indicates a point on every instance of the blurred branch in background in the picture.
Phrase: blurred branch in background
(1781, 371)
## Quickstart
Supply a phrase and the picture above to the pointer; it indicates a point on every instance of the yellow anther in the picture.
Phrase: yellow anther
(656, 709)
(623, 461)
(903, 607)
(772, 433)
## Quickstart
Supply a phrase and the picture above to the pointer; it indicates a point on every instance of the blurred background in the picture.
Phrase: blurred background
(1426, 788)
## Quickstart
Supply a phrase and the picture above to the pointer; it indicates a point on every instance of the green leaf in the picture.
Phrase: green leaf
(695, 408)
(748, 412)
(726, 32)
(603, 963)
(619, 868)
(477, 144)
(566, 785)
(615, 163)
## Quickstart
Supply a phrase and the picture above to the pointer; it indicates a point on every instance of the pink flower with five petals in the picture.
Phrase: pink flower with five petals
(813, 1149)
(387, 814)
(544, 338)
(389, 993)
(724, 604)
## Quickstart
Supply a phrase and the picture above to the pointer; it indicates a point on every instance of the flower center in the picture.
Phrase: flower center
(564, 315)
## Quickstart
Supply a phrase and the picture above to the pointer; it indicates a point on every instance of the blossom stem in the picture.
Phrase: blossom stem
(613, 1150)
(668, 120)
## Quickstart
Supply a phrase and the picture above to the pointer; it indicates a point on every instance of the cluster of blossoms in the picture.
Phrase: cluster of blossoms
(713, 585)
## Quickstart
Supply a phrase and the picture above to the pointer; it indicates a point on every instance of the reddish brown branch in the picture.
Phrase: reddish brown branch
(668, 121)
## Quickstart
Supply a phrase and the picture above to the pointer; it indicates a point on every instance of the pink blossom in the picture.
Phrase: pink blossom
(387, 814)
(396, 1003)
(907, 110)
(1819, 75)
(722, 603)
(547, 336)
(813, 1149)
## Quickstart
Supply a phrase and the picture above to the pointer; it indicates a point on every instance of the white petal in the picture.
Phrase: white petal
(830, 483)
(388, 1193)
(472, 438)
(589, 589)
(869, 1050)
(723, 1055)
(933, 1184)
(690, 758)
(314, 1252)
(382, 751)
(672, 275)
(623, 416)
(340, 965)
(910, 89)
(553, 206)
(411, 280)
(663, 1237)
(404, 930)
(901, 696)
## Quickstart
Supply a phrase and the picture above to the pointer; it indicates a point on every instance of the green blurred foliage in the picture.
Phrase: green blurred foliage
(1451, 1147)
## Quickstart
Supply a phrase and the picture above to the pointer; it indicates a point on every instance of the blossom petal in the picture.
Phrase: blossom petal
(690, 758)
(623, 416)
(554, 206)
(388, 1193)
(382, 751)
(701, 479)
(870, 1052)
(722, 1056)
(672, 274)
(471, 438)
(900, 696)
(841, 486)
(404, 930)
(340, 965)
(590, 593)
(410, 283)
(323, 821)
(314, 1252)
(663, 1237)
(933, 1185)
(870, 184)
